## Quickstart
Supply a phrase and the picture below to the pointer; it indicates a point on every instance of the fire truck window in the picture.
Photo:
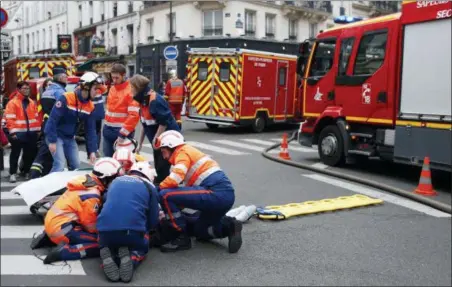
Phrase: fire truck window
(60, 67)
(344, 57)
(282, 76)
(371, 53)
(225, 71)
(33, 72)
(322, 61)
(203, 68)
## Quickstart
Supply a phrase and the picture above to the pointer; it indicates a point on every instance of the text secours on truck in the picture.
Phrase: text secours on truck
(382, 88)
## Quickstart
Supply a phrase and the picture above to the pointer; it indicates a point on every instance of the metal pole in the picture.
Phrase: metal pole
(171, 21)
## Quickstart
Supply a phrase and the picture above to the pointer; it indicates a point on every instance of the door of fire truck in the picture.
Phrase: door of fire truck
(364, 67)
(213, 86)
(280, 109)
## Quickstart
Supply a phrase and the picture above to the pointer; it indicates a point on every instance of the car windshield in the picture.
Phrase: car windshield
(70, 87)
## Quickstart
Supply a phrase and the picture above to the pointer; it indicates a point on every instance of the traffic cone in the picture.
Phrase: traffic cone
(425, 181)
(284, 153)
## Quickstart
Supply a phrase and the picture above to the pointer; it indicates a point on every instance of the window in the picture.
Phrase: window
(213, 23)
(250, 23)
(59, 67)
(270, 25)
(115, 9)
(63, 28)
(371, 53)
(225, 71)
(58, 29)
(34, 72)
(293, 29)
(323, 58)
(203, 68)
(19, 44)
(313, 30)
(150, 29)
(28, 43)
(344, 56)
(173, 19)
(282, 76)
(44, 39)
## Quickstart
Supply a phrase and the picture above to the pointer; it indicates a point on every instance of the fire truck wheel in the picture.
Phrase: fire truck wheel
(258, 124)
(212, 126)
(331, 146)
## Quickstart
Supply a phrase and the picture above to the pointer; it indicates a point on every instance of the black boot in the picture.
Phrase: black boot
(40, 241)
(234, 231)
(111, 270)
(54, 254)
(183, 242)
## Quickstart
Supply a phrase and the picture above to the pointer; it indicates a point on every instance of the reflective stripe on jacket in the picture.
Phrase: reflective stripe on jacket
(175, 91)
(22, 116)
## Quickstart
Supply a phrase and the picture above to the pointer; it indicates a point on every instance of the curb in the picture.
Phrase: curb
(432, 203)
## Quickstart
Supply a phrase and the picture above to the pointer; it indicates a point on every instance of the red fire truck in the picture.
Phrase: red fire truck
(239, 87)
(382, 88)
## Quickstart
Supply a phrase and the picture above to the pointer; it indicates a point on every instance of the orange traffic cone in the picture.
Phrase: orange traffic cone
(425, 182)
(284, 153)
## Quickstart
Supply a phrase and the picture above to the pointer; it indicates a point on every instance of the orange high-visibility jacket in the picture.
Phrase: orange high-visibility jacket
(175, 91)
(20, 121)
(79, 204)
(122, 110)
(190, 166)
(145, 113)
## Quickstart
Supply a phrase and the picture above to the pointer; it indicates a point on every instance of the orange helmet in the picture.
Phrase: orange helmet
(125, 157)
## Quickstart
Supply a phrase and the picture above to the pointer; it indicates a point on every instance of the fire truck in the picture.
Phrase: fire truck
(239, 87)
(382, 88)
(28, 67)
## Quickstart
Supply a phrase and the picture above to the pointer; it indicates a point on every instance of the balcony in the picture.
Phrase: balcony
(130, 49)
(379, 8)
(150, 4)
(315, 10)
(212, 31)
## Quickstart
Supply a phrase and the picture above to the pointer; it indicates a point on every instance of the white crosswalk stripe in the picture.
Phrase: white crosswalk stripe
(239, 145)
(216, 148)
(31, 265)
(291, 147)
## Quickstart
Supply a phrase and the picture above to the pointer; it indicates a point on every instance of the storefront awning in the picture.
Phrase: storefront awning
(91, 64)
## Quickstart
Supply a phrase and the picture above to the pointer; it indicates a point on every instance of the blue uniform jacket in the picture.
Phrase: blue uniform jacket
(99, 108)
(129, 206)
(63, 120)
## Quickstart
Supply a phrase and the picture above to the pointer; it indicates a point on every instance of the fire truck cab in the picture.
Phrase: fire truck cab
(382, 88)
(240, 87)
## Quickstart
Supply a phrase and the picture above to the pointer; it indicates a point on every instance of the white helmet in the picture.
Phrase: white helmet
(91, 78)
(145, 169)
(107, 167)
(172, 74)
(170, 139)
(125, 157)
(129, 144)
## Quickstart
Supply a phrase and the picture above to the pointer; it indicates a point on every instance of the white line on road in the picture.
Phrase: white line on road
(30, 265)
(376, 194)
(20, 231)
(9, 195)
(5, 183)
(291, 148)
(216, 148)
(240, 145)
(15, 210)
(319, 165)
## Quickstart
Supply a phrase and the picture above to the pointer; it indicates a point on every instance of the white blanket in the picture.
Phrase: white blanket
(34, 190)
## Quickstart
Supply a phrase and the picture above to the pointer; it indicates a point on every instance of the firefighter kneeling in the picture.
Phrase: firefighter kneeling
(71, 221)
(207, 189)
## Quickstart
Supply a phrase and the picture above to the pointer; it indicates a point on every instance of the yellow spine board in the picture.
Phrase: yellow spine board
(324, 205)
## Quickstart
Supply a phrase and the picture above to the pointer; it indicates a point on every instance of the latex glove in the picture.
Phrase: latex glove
(92, 158)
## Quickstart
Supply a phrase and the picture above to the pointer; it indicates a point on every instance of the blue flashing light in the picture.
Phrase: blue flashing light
(347, 19)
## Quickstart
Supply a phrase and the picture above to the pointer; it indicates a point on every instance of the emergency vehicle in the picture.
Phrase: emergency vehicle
(382, 88)
(28, 67)
(239, 87)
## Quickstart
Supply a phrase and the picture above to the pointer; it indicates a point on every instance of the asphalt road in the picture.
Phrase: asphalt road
(396, 243)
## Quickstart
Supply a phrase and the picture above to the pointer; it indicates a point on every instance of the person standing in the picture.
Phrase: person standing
(156, 118)
(61, 126)
(23, 125)
(175, 91)
(122, 112)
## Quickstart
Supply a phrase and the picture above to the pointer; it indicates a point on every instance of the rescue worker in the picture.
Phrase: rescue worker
(207, 189)
(175, 91)
(24, 125)
(125, 238)
(43, 162)
(71, 221)
(61, 126)
(156, 118)
(99, 114)
(122, 114)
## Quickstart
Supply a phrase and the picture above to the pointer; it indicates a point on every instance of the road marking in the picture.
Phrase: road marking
(240, 145)
(15, 210)
(10, 184)
(18, 231)
(9, 195)
(6, 162)
(319, 165)
(376, 194)
(216, 148)
(269, 143)
(31, 265)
